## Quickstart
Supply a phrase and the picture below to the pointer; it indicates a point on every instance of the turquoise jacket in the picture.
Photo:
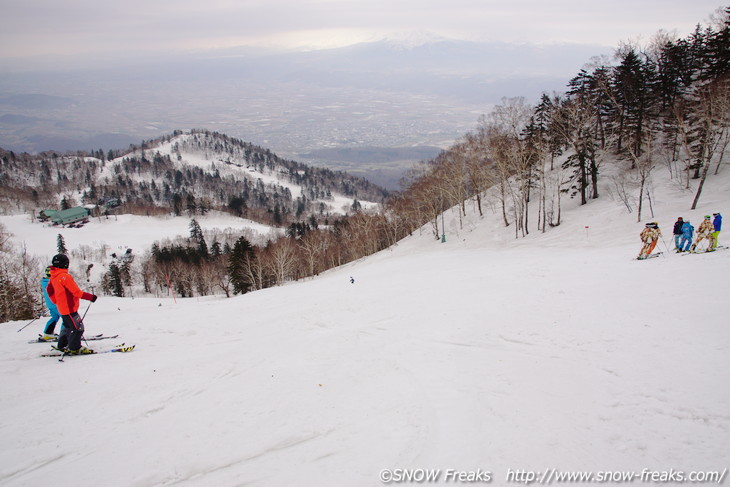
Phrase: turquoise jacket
(51, 307)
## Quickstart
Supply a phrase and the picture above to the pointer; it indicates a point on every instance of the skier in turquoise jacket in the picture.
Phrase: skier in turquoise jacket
(687, 233)
(48, 330)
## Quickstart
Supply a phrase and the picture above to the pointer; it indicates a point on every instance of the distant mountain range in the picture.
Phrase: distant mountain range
(383, 94)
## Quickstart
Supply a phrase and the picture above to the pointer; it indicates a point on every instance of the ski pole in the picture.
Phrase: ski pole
(82, 322)
(87, 310)
(665, 246)
(34, 319)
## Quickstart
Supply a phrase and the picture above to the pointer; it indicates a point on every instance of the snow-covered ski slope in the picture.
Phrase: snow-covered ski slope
(481, 354)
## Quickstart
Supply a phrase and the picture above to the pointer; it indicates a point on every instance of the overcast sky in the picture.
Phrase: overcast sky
(112, 28)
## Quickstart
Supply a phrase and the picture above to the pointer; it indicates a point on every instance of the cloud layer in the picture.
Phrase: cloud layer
(83, 27)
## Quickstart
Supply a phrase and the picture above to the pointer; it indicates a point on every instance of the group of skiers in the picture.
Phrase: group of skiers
(708, 230)
(62, 296)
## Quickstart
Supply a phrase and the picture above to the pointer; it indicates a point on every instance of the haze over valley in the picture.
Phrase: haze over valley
(372, 109)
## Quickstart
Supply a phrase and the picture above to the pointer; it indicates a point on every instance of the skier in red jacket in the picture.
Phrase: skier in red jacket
(65, 294)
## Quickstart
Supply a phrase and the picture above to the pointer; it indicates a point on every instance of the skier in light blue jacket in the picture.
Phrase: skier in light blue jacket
(55, 315)
(687, 233)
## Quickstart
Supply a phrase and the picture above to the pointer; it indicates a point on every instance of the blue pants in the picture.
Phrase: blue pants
(678, 241)
(51, 323)
(686, 243)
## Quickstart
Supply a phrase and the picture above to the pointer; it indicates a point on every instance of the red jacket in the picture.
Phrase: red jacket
(64, 292)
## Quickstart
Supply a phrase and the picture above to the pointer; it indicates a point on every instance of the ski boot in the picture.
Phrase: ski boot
(80, 351)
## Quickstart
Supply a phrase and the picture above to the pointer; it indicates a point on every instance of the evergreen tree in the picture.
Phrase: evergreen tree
(113, 282)
(215, 249)
(176, 204)
(313, 222)
(718, 50)
(674, 72)
(544, 129)
(278, 219)
(190, 205)
(237, 205)
(574, 118)
(196, 234)
(61, 245)
(240, 261)
(633, 92)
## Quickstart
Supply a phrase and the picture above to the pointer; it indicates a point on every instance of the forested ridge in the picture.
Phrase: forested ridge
(147, 181)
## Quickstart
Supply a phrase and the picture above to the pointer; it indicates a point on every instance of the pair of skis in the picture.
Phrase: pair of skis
(61, 354)
(720, 247)
(88, 339)
(650, 256)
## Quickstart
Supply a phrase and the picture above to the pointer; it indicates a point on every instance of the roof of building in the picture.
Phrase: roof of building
(70, 215)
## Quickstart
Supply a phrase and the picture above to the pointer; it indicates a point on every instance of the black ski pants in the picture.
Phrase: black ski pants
(71, 332)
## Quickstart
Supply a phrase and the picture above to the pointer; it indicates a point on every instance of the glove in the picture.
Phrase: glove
(93, 298)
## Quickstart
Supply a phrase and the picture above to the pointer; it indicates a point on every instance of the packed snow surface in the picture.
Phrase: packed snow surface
(483, 354)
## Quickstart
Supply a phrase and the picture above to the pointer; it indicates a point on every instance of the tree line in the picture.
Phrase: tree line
(666, 104)
(231, 264)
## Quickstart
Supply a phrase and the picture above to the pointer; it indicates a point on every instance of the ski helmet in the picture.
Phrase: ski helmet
(707, 217)
(60, 261)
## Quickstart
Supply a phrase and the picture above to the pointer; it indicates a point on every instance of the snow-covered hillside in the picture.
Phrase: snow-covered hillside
(189, 173)
(483, 354)
(205, 152)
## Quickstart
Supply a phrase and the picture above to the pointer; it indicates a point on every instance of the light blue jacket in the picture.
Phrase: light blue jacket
(687, 230)
(51, 307)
